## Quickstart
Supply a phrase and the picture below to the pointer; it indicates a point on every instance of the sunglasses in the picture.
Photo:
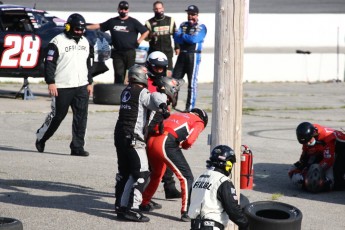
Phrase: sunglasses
(124, 8)
(192, 14)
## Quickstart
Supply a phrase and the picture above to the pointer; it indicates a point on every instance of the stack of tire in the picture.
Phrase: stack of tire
(107, 94)
(10, 224)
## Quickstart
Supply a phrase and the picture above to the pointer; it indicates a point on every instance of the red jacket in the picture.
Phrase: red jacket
(186, 127)
(323, 152)
(150, 85)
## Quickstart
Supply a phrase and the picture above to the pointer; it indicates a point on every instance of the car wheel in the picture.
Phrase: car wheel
(270, 215)
(10, 224)
(107, 94)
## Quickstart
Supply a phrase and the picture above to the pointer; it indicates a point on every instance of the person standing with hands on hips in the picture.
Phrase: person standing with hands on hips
(162, 28)
(190, 35)
(124, 32)
(67, 72)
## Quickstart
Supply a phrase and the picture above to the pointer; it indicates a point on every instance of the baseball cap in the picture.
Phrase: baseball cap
(192, 9)
(123, 5)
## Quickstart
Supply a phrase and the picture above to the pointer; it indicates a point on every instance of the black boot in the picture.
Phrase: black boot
(169, 185)
(171, 192)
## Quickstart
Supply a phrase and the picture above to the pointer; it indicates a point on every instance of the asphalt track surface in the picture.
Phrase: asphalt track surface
(54, 190)
(205, 6)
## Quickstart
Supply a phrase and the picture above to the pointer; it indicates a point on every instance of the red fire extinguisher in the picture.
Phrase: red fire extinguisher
(247, 170)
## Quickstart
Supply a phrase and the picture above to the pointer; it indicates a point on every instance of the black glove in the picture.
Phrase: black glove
(165, 111)
(299, 165)
(161, 127)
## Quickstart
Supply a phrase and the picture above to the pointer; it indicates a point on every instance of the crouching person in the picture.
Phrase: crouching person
(213, 199)
(314, 170)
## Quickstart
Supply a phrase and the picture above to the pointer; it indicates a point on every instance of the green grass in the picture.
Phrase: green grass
(276, 196)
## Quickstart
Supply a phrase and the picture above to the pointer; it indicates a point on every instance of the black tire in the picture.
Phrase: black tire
(10, 224)
(270, 215)
(243, 201)
(107, 94)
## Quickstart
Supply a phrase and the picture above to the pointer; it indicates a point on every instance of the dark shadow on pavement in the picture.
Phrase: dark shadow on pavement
(13, 149)
(273, 178)
(79, 199)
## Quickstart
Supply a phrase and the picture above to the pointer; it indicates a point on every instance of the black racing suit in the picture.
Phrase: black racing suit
(68, 65)
(124, 34)
(133, 169)
(161, 31)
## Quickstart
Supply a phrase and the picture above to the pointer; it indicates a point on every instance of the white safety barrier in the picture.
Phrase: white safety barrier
(271, 41)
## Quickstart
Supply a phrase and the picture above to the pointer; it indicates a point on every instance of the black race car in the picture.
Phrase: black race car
(24, 35)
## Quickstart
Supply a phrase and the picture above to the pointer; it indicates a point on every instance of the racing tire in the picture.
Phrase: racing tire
(108, 94)
(243, 201)
(271, 215)
(10, 224)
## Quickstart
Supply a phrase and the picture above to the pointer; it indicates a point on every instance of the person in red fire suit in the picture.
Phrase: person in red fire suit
(314, 170)
(180, 130)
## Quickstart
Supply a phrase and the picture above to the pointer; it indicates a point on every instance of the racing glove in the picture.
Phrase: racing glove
(165, 111)
(297, 179)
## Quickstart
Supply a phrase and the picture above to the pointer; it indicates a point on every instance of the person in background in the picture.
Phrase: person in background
(314, 170)
(190, 35)
(161, 29)
(214, 200)
(68, 75)
(129, 140)
(178, 131)
(124, 32)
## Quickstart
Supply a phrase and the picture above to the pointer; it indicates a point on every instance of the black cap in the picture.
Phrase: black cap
(123, 5)
(192, 9)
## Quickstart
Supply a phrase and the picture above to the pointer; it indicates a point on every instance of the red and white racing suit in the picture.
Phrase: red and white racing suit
(180, 131)
(322, 153)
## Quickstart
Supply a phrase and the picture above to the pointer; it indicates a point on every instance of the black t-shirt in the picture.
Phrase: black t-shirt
(124, 33)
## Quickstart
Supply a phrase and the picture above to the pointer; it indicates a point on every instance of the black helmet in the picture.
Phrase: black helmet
(305, 131)
(137, 74)
(202, 114)
(75, 23)
(222, 157)
(157, 59)
(170, 86)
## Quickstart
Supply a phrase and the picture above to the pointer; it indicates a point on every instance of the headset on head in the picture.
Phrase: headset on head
(67, 27)
(228, 166)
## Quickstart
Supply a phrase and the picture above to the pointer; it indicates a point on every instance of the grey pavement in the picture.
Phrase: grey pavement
(53, 190)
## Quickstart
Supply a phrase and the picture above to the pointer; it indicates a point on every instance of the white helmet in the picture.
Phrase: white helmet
(157, 59)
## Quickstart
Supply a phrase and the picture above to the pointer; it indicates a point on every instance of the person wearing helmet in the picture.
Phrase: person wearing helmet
(133, 169)
(318, 147)
(156, 64)
(68, 75)
(124, 32)
(170, 87)
(180, 130)
(190, 35)
(213, 199)
(161, 29)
